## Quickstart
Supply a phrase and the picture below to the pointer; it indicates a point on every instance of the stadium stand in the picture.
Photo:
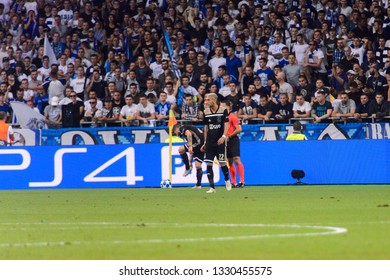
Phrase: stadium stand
(190, 48)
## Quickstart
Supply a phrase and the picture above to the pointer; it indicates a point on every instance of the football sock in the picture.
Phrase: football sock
(225, 171)
(210, 175)
(184, 157)
(199, 173)
(240, 168)
(232, 171)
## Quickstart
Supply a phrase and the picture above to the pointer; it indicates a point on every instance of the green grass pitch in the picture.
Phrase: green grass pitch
(272, 222)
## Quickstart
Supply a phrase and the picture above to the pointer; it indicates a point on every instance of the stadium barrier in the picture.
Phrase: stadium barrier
(138, 165)
(138, 135)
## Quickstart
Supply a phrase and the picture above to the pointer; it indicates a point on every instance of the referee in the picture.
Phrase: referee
(297, 134)
(233, 147)
(216, 125)
(6, 131)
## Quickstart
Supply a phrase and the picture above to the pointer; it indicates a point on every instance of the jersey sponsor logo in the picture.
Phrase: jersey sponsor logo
(214, 126)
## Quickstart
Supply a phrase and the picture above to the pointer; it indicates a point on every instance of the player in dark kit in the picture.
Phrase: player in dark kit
(195, 140)
(215, 130)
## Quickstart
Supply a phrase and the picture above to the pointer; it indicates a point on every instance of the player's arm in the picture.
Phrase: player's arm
(226, 128)
(237, 130)
(225, 131)
(205, 131)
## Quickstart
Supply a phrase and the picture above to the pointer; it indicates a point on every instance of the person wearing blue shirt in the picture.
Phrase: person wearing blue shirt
(162, 108)
(284, 60)
(233, 65)
(265, 73)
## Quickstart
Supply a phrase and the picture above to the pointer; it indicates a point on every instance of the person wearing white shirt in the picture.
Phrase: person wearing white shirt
(171, 90)
(128, 112)
(7, 5)
(66, 13)
(80, 83)
(225, 90)
(358, 50)
(63, 66)
(345, 9)
(92, 95)
(146, 112)
(285, 87)
(3, 53)
(27, 93)
(187, 89)
(299, 49)
(276, 49)
(271, 61)
(45, 70)
(210, 18)
(315, 63)
(34, 80)
(156, 66)
(301, 108)
(217, 61)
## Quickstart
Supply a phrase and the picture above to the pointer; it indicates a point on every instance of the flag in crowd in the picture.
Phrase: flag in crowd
(28, 117)
(48, 50)
(169, 46)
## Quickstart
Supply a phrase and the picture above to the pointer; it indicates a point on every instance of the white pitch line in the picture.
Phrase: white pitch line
(328, 231)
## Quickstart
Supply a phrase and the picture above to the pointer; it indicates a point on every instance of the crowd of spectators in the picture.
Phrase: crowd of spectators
(274, 60)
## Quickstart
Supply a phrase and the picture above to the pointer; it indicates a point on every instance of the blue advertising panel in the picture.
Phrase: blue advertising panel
(133, 166)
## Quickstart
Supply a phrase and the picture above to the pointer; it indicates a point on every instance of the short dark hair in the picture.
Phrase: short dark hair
(3, 115)
(297, 126)
(379, 93)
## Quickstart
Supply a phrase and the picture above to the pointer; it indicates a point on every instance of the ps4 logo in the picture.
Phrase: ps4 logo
(129, 177)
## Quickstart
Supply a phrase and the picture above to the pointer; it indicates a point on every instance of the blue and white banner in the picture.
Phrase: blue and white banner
(144, 135)
(135, 166)
(169, 46)
(378, 131)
